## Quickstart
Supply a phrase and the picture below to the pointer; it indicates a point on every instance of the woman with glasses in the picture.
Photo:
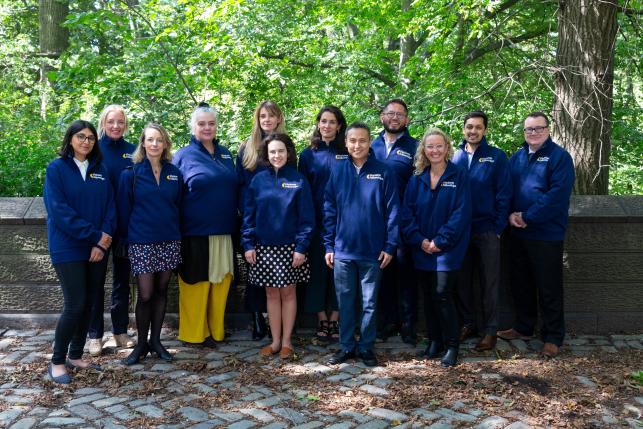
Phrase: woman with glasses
(117, 155)
(436, 222)
(80, 224)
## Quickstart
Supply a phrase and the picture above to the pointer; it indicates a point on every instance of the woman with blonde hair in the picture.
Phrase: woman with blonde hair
(149, 203)
(117, 156)
(436, 222)
(267, 118)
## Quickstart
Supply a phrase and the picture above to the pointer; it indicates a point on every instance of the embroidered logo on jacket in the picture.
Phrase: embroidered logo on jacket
(127, 155)
(449, 185)
(340, 156)
(374, 177)
(400, 152)
(96, 176)
(290, 185)
(486, 159)
(226, 156)
(542, 159)
(172, 177)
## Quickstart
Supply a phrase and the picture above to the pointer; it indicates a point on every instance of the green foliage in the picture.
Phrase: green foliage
(158, 58)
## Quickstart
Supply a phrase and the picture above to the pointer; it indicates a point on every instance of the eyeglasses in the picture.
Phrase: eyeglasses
(82, 137)
(535, 130)
(398, 115)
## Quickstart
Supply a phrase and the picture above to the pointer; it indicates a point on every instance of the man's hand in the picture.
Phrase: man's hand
(96, 255)
(515, 219)
(330, 259)
(384, 259)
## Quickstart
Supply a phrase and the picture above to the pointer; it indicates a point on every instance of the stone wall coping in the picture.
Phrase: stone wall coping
(583, 208)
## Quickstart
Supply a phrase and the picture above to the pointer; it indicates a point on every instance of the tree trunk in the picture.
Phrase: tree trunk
(584, 88)
(408, 44)
(54, 39)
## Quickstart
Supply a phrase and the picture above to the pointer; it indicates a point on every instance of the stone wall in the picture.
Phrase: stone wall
(603, 267)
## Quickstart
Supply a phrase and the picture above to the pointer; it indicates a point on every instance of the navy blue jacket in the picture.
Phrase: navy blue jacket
(278, 210)
(361, 211)
(315, 165)
(542, 187)
(244, 177)
(149, 212)
(442, 215)
(210, 190)
(78, 211)
(117, 156)
(400, 159)
(490, 182)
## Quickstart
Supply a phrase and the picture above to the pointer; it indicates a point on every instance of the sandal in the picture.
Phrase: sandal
(333, 331)
(322, 331)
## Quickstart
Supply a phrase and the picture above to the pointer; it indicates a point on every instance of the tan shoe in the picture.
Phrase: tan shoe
(286, 353)
(124, 340)
(268, 351)
(488, 342)
(550, 350)
(512, 334)
(95, 346)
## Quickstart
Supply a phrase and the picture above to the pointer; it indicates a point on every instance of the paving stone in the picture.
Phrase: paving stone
(620, 344)
(243, 424)
(635, 345)
(258, 414)
(387, 414)
(163, 367)
(374, 424)
(62, 421)
(204, 388)
(339, 377)
(20, 333)
(442, 424)
(457, 405)
(228, 416)
(342, 425)
(31, 357)
(252, 397)
(59, 413)
(351, 369)
(631, 409)
(425, 414)
(289, 414)
(85, 399)
(609, 419)
(9, 415)
(193, 414)
(521, 345)
(275, 425)
(488, 376)
(108, 423)
(186, 356)
(374, 390)
(360, 418)
(454, 415)
(138, 402)
(26, 391)
(586, 381)
(108, 402)
(38, 411)
(268, 402)
(16, 399)
(503, 345)
(609, 349)
(309, 425)
(493, 422)
(575, 341)
(85, 411)
(150, 411)
(208, 425)
(178, 374)
(12, 357)
(519, 425)
(26, 423)
(218, 378)
(5, 343)
(214, 364)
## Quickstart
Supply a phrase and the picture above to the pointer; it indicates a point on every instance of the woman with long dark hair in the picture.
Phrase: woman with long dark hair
(81, 219)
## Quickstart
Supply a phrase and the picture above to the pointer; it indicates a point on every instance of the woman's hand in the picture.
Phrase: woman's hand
(433, 248)
(426, 245)
(384, 259)
(330, 259)
(96, 255)
(105, 241)
(298, 259)
(251, 256)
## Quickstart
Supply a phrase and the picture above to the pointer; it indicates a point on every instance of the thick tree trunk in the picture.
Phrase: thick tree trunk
(584, 87)
(54, 39)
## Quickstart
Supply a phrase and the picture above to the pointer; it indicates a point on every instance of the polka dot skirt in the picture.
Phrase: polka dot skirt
(154, 257)
(274, 267)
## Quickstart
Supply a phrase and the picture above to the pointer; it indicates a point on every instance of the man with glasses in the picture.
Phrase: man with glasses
(396, 148)
(490, 182)
(543, 176)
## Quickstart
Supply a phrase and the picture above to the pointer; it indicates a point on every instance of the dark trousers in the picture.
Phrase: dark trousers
(439, 307)
(398, 292)
(119, 308)
(320, 291)
(537, 280)
(79, 282)
(483, 254)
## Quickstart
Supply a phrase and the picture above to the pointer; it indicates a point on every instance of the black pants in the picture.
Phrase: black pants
(537, 280)
(398, 292)
(79, 282)
(439, 307)
(483, 254)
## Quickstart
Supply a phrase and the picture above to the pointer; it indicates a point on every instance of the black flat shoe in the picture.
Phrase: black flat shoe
(259, 328)
(434, 350)
(368, 357)
(139, 352)
(450, 357)
(60, 379)
(340, 356)
(94, 366)
(160, 351)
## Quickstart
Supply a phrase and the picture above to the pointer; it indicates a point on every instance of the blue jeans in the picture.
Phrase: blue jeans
(355, 279)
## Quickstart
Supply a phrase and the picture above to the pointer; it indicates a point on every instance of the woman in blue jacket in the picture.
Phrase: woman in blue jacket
(149, 202)
(208, 220)
(436, 222)
(326, 148)
(80, 223)
(267, 118)
(278, 222)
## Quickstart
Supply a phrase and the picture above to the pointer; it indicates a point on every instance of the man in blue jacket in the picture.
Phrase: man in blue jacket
(490, 181)
(361, 234)
(543, 176)
(396, 148)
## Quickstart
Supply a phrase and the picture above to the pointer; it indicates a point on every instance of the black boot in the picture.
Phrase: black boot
(450, 357)
(259, 328)
(139, 352)
(161, 352)
(433, 350)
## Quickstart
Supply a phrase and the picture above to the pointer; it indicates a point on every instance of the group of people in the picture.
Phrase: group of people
(363, 224)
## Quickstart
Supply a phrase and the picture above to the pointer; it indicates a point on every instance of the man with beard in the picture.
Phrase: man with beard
(396, 148)
(490, 183)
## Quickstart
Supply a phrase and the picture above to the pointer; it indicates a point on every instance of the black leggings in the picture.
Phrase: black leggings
(151, 304)
(439, 307)
(79, 282)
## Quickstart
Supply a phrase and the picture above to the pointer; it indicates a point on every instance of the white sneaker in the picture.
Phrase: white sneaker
(95, 346)
(124, 340)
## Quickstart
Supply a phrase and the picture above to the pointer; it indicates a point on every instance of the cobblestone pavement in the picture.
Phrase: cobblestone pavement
(231, 386)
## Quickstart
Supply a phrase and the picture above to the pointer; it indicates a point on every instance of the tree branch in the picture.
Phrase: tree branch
(475, 53)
